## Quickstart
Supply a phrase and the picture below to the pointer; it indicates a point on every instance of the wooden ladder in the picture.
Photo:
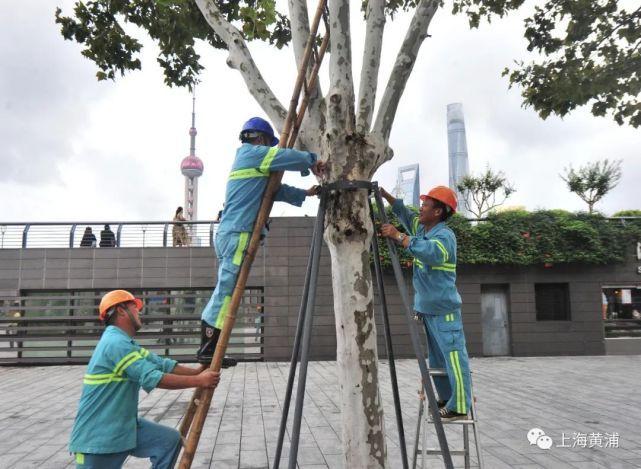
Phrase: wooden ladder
(194, 419)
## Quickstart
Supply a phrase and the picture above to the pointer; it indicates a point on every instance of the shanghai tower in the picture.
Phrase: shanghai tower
(457, 150)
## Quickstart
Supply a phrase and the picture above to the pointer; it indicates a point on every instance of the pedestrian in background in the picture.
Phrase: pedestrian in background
(88, 239)
(107, 238)
(178, 232)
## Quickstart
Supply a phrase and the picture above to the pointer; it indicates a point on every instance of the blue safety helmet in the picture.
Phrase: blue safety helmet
(257, 124)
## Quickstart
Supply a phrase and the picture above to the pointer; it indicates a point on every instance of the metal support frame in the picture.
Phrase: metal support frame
(164, 235)
(305, 320)
(72, 233)
(24, 235)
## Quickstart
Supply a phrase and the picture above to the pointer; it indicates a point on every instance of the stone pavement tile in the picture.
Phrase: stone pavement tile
(589, 465)
(310, 455)
(284, 462)
(324, 432)
(224, 464)
(496, 463)
(330, 446)
(201, 460)
(225, 437)
(253, 443)
(224, 452)
(334, 461)
(548, 460)
(8, 460)
(253, 459)
(507, 455)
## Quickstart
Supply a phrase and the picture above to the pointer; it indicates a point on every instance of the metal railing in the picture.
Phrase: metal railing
(120, 234)
(63, 328)
(126, 233)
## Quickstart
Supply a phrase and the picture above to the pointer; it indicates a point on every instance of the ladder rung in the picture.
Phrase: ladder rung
(460, 422)
(455, 452)
(438, 371)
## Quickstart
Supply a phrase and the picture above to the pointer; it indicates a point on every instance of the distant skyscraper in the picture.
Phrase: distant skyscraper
(408, 185)
(457, 149)
(192, 168)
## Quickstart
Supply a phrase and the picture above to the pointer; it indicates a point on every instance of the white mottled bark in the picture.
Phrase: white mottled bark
(348, 233)
(375, 15)
(403, 66)
(310, 132)
(240, 59)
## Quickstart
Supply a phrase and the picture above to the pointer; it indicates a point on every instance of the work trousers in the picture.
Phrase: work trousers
(230, 250)
(447, 350)
(159, 443)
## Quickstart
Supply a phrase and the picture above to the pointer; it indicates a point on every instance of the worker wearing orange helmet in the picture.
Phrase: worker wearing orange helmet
(436, 299)
(107, 428)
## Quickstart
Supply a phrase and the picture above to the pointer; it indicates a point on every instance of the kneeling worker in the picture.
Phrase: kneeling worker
(436, 300)
(107, 428)
(255, 159)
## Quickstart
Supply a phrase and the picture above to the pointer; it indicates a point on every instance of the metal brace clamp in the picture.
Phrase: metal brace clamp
(346, 185)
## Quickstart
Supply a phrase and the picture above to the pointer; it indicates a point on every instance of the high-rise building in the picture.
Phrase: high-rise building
(408, 185)
(192, 168)
(457, 150)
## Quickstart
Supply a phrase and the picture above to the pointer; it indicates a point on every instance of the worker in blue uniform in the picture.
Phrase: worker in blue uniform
(436, 299)
(107, 428)
(255, 159)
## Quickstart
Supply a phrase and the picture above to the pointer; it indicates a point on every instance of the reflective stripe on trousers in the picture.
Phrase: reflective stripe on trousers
(447, 350)
(230, 248)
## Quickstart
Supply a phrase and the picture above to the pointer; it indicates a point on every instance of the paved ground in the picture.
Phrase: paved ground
(577, 401)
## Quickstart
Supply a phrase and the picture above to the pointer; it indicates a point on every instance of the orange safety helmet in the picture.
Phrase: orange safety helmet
(443, 194)
(113, 298)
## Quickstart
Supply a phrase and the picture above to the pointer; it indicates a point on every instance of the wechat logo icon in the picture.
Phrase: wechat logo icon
(537, 437)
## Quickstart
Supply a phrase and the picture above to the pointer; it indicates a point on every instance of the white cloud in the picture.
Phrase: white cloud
(76, 149)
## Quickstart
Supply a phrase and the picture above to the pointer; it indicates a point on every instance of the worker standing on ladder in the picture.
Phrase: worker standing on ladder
(107, 428)
(255, 159)
(436, 299)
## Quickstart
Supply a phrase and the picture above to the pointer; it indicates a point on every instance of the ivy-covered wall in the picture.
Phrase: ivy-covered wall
(545, 237)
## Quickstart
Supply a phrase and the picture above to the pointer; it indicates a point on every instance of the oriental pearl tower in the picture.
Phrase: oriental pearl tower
(192, 168)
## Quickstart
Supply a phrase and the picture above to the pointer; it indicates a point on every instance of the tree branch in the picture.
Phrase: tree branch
(405, 61)
(375, 26)
(299, 18)
(340, 63)
(340, 99)
(240, 59)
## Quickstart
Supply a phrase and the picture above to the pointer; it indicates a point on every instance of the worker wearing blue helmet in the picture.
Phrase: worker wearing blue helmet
(255, 159)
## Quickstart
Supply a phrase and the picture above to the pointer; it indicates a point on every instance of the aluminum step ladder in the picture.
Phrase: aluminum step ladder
(425, 421)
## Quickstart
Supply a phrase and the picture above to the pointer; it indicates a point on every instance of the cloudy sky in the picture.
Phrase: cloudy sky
(76, 149)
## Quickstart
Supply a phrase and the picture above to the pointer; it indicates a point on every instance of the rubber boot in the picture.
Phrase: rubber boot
(208, 340)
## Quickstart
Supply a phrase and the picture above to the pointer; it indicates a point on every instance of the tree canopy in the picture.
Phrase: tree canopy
(587, 52)
(479, 193)
(593, 181)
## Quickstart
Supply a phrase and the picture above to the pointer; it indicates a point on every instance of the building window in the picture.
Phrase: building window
(622, 302)
(552, 301)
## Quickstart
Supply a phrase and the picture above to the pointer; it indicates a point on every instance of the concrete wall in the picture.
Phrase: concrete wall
(280, 268)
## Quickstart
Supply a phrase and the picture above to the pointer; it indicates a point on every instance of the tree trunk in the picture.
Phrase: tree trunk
(348, 233)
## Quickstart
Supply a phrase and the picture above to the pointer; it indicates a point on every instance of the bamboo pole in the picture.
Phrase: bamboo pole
(197, 412)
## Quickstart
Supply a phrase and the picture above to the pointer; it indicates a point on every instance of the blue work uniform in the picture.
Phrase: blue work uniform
(439, 305)
(245, 188)
(107, 428)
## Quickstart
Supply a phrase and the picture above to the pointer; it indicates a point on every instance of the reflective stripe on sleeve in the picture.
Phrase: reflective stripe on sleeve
(442, 248)
(247, 173)
(267, 161)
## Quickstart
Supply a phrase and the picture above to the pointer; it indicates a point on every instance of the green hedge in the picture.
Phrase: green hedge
(545, 237)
